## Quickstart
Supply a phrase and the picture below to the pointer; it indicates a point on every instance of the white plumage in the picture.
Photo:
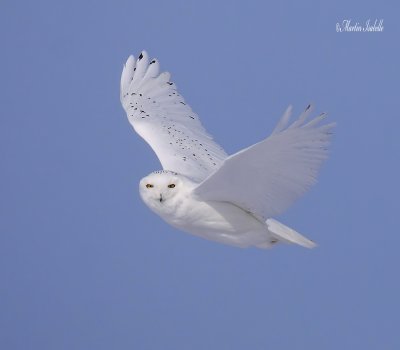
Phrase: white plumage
(160, 115)
(202, 190)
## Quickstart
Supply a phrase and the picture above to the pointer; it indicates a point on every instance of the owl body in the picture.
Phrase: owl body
(223, 222)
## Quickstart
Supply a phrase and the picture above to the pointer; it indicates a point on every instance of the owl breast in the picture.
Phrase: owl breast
(211, 217)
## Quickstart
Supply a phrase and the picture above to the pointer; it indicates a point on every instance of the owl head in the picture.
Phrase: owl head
(159, 187)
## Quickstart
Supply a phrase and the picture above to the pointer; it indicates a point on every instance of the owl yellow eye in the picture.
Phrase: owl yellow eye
(149, 186)
(171, 186)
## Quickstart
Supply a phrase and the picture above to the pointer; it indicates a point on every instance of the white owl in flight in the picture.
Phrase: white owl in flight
(202, 190)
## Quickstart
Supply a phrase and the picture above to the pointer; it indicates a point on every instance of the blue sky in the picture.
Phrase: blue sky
(85, 265)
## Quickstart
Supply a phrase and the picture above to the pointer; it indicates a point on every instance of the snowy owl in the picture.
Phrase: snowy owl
(203, 191)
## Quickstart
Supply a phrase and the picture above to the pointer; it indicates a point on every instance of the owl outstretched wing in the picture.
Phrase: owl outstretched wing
(160, 115)
(266, 178)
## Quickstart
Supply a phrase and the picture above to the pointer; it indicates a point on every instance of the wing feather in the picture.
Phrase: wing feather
(160, 115)
(266, 178)
(127, 73)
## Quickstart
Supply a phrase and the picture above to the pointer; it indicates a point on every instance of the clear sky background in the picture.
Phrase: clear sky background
(85, 265)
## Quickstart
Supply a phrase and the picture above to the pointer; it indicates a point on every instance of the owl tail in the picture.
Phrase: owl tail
(288, 235)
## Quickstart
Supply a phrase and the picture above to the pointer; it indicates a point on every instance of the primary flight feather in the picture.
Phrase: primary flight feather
(202, 190)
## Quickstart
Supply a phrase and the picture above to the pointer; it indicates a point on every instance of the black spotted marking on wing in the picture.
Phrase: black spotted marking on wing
(166, 112)
(139, 102)
(191, 147)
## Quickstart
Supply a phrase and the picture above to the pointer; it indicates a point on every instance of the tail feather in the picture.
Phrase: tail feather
(286, 234)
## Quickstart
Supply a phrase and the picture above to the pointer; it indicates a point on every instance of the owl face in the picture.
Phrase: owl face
(159, 187)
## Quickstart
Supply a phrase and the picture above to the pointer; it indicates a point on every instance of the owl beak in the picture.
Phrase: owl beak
(160, 197)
